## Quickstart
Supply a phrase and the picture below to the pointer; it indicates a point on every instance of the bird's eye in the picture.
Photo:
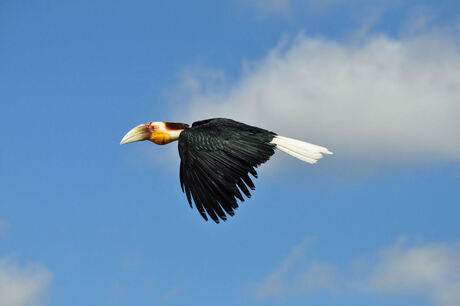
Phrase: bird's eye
(149, 127)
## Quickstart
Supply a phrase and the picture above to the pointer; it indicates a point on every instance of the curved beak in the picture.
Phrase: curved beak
(139, 133)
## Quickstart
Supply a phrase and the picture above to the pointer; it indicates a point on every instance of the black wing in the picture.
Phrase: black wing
(217, 156)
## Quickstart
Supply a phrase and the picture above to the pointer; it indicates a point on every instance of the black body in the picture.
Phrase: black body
(217, 156)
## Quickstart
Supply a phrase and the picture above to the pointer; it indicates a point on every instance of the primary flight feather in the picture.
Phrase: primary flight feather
(217, 155)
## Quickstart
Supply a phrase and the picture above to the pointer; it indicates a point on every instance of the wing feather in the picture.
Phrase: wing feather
(217, 156)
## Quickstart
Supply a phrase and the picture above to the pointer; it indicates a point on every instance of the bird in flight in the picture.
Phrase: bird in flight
(217, 155)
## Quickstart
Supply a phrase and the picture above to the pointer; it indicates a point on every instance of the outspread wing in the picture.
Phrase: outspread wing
(217, 156)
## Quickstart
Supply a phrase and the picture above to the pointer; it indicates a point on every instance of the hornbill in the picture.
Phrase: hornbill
(217, 155)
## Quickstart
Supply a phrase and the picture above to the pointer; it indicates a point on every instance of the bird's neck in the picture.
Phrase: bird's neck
(174, 129)
(174, 134)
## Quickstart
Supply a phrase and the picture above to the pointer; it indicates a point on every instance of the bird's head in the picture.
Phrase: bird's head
(157, 132)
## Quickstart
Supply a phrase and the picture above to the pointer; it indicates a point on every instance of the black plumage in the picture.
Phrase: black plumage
(217, 156)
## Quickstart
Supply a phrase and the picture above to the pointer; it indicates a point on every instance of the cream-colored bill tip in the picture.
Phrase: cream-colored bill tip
(136, 134)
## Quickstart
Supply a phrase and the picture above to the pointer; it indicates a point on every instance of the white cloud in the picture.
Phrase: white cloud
(431, 270)
(22, 286)
(378, 100)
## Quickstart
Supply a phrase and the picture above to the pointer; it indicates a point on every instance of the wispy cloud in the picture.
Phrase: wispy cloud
(287, 8)
(429, 270)
(3, 227)
(379, 99)
(171, 294)
(269, 7)
(295, 276)
(22, 286)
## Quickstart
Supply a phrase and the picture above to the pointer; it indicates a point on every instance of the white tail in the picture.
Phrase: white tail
(302, 150)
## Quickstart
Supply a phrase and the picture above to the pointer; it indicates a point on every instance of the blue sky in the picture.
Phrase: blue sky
(84, 221)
